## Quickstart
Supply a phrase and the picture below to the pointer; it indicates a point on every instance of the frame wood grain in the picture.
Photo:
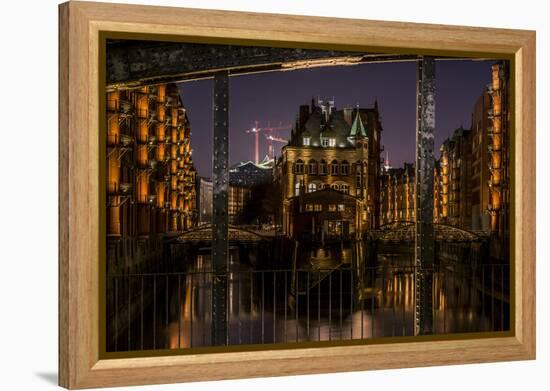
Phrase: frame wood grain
(79, 241)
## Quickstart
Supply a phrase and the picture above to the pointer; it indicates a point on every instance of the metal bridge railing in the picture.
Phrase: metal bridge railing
(174, 310)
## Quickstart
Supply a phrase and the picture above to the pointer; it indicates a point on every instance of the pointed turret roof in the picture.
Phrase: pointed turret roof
(357, 129)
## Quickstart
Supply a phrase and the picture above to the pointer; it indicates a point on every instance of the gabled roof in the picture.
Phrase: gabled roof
(345, 126)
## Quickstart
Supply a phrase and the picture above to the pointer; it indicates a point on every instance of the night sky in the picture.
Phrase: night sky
(276, 97)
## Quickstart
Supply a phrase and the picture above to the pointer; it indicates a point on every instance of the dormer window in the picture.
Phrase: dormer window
(328, 142)
(307, 141)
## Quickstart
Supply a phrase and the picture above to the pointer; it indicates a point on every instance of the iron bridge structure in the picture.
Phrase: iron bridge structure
(134, 64)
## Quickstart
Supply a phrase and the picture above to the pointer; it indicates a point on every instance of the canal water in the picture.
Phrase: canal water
(174, 310)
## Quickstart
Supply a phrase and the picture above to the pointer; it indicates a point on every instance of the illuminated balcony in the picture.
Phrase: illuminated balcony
(142, 113)
(494, 148)
(125, 188)
(126, 140)
(119, 189)
(126, 107)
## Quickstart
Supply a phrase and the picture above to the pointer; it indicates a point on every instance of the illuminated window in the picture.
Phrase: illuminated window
(318, 207)
(331, 142)
(340, 207)
(297, 189)
(312, 167)
(324, 142)
(309, 207)
(345, 168)
(334, 168)
(332, 207)
(311, 187)
(307, 141)
(323, 168)
(299, 167)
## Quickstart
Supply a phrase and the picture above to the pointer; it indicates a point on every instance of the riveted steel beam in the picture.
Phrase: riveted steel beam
(424, 236)
(132, 63)
(220, 223)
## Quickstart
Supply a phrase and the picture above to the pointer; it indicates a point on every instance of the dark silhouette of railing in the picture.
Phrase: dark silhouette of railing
(173, 310)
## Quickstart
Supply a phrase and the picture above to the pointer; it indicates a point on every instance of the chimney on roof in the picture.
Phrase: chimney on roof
(348, 111)
(326, 108)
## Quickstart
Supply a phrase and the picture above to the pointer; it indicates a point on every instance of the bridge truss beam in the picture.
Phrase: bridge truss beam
(132, 64)
(220, 222)
(424, 235)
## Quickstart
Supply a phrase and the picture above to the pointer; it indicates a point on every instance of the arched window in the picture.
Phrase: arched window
(334, 167)
(344, 168)
(322, 167)
(299, 167)
(344, 188)
(297, 189)
(312, 167)
(311, 187)
(335, 186)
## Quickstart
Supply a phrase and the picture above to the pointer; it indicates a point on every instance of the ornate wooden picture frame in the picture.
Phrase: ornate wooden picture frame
(84, 28)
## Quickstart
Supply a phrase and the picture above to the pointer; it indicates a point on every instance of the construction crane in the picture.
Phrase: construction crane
(270, 137)
(256, 131)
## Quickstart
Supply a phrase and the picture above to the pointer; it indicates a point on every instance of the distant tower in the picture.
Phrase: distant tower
(387, 165)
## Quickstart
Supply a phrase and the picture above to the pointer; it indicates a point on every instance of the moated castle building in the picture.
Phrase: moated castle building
(329, 172)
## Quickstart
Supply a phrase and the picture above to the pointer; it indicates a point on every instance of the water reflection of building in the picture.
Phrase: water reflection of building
(150, 173)
(331, 149)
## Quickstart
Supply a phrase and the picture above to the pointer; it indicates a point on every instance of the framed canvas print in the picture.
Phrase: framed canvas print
(247, 195)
